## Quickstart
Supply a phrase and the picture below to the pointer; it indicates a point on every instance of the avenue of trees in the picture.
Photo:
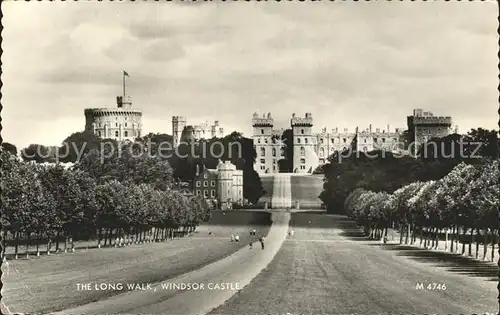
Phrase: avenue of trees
(380, 171)
(452, 185)
(465, 202)
(104, 196)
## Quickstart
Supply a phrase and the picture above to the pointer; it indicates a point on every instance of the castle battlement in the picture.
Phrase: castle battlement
(431, 120)
(302, 121)
(101, 112)
(264, 121)
(179, 119)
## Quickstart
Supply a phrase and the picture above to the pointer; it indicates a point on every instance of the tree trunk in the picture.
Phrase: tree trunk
(493, 242)
(4, 244)
(470, 241)
(99, 237)
(436, 235)
(464, 234)
(28, 238)
(16, 245)
(106, 232)
(452, 238)
(38, 244)
(477, 242)
(57, 241)
(65, 243)
(485, 244)
(400, 234)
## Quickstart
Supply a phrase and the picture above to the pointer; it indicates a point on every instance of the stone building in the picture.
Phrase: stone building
(423, 126)
(195, 132)
(120, 123)
(312, 149)
(224, 184)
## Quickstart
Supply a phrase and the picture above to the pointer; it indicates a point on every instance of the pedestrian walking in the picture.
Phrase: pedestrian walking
(237, 238)
(262, 242)
(251, 245)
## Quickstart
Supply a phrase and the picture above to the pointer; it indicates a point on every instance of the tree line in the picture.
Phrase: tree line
(464, 202)
(105, 195)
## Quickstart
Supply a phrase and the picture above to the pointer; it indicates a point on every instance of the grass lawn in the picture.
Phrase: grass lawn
(306, 190)
(267, 184)
(49, 283)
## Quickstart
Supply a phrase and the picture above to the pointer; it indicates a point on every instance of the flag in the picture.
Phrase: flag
(125, 73)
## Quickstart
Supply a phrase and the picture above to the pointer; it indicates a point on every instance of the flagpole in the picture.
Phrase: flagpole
(123, 86)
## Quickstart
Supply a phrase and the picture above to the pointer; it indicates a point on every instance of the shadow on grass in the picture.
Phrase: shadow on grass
(454, 263)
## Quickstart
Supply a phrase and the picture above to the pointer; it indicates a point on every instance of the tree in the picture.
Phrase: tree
(39, 153)
(9, 147)
(78, 144)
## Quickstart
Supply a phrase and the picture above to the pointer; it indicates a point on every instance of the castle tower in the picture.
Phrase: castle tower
(423, 126)
(178, 125)
(238, 187)
(123, 123)
(305, 159)
(225, 184)
(265, 162)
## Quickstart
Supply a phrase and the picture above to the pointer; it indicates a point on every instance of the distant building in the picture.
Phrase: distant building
(194, 132)
(120, 123)
(423, 126)
(224, 184)
(310, 149)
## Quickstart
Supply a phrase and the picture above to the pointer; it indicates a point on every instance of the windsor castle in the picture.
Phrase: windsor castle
(311, 149)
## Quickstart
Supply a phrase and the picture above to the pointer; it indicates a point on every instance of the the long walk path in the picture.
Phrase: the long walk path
(282, 191)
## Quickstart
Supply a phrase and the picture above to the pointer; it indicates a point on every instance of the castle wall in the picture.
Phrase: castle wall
(118, 124)
(267, 145)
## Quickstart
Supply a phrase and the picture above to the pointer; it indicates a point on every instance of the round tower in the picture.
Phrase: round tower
(121, 123)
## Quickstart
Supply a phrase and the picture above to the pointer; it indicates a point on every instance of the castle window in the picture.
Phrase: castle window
(322, 161)
(301, 131)
(282, 152)
(302, 151)
(322, 140)
(99, 133)
(198, 183)
(274, 152)
(383, 139)
(198, 193)
(262, 161)
(262, 131)
(265, 141)
(213, 193)
(205, 193)
(333, 140)
(212, 183)
(262, 151)
(274, 167)
(302, 167)
(321, 152)
(125, 133)
(302, 161)
(262, 167)
(125, 124)
(126, 117)
(305, 140)
(258, 140)
(298, 140)
(365, 140)
(116, 133)
(205, 183)
(116, 124)
(345, 140)
(374, 139)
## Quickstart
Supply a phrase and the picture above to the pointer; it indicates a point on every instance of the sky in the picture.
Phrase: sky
(347, 63)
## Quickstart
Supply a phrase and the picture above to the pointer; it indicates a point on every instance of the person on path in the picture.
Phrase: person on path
(232, 237)
(251, 245)
(262, 242)
(237, 238)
